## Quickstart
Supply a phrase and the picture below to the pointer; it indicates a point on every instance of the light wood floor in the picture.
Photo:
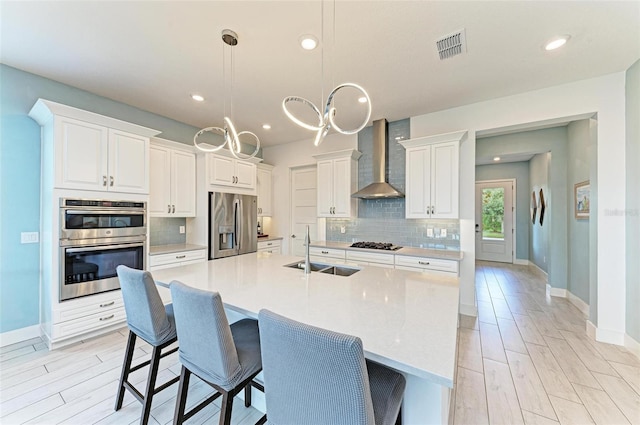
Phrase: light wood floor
(527, 359)
(78, 384)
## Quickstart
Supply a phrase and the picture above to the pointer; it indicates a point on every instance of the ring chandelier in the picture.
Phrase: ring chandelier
(228, 131)
(326, 121)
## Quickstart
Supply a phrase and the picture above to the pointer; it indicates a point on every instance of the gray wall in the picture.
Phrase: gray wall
(633, 201)
(578, 169)
(539, 234)
(520, 172)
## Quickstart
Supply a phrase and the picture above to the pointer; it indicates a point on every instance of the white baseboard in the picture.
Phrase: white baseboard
(610, 337)
(556, 292)
(521, 262)
(19, 335)
(632, 345)
(578, 303)
(538, 269)
(591, 330)
(468, 310)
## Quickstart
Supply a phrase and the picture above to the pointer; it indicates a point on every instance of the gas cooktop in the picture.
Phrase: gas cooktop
(376, 245)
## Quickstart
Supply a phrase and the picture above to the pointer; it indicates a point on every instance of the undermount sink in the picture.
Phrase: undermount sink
(325, 268)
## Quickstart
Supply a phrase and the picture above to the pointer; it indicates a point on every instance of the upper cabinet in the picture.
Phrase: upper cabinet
(172, 191)
(226, 171)
(264, 190)
(83, 150)
(337, 180)
(432, 175)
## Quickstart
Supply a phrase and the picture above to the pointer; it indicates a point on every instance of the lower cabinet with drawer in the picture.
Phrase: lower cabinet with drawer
(175, 259)
(370, 259)
(272, 246)
(332, 255)
(425, 264)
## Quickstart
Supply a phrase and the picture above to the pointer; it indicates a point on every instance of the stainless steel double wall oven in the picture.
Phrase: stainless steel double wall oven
(96, 236)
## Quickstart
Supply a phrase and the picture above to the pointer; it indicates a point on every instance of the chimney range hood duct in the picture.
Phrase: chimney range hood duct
(379, 188)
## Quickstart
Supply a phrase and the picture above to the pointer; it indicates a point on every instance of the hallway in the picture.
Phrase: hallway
(526, 359)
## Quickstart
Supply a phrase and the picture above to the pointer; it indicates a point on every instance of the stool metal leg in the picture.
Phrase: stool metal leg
(151, 384)
(181, 401)
(126, 366)
(227, 406)
(247, 396)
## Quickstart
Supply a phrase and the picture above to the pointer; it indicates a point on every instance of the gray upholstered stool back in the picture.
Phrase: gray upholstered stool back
(312, 375)
(206, 343)
(146, 314)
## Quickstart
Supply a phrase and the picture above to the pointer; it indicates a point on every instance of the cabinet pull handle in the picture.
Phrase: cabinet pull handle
(107, 304)
(432, 210)
(169, 209)
(107, 318)
(325, 252)
(173, 209)
(104, 180)
(111, 181)
(269, 244)
(424, 263)
(180, 256)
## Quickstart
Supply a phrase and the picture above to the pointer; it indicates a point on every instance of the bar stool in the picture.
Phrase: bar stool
(225, 357)
(316, 376)
(149, 319)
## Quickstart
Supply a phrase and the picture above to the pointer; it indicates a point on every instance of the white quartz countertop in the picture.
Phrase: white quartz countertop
(443, 254)
(171, 249)
(406, 320)
(270, 238)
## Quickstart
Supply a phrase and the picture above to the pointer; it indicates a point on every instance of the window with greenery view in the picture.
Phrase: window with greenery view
(493, 213)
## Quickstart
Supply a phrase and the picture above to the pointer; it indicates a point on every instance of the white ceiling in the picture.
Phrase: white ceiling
(153, 55)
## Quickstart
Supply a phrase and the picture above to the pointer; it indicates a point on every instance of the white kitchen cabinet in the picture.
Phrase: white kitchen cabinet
(426, 264)
(175, 259)
(327, 255)
(94, 157)
(264, 187)
(87, 151)
(364, 258)
(172, 191)
(272, 246)
(432, 176)
(232, 172)
(337, 180)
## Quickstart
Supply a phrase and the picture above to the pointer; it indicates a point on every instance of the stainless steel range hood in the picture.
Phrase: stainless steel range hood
(379, 188)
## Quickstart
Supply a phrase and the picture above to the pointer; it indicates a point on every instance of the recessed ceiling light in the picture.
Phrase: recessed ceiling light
(197, 98)
(496, 158)
(557, 42)
(362, 99)
(266, 126)
(308, 42)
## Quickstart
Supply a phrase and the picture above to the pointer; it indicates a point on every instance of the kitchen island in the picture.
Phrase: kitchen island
(406, 320)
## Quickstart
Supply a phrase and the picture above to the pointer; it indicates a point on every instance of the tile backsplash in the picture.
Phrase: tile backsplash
(166, 231)
(382, 220)
(418, 233)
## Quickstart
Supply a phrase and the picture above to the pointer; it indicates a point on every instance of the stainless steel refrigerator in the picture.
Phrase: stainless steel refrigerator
(233, 221)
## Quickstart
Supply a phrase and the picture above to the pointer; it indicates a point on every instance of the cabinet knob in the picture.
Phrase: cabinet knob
(293, 236)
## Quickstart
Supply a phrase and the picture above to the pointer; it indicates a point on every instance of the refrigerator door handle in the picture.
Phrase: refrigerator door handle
(239, 215)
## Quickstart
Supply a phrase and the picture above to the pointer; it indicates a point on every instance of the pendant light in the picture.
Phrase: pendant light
(231, 138)
(326, 119)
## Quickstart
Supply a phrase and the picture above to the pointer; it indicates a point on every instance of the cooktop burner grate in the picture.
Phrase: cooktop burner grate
(376, 245)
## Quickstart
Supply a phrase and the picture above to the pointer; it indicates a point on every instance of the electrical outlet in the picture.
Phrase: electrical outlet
(29, 237)
(429, 232)
(443, 233)
(343, 229)
(182, 230)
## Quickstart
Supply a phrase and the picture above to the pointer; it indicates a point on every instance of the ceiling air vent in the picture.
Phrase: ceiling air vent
(451, 45)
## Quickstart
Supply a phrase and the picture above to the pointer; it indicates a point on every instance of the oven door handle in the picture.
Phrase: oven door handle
(105, 211)
(102, 247)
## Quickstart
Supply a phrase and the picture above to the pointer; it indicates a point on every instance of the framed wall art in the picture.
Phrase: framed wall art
(581, 199)
(534, 207)
(543, 206)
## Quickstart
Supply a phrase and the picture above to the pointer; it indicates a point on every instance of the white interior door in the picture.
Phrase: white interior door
(494, 220)
(304, 200)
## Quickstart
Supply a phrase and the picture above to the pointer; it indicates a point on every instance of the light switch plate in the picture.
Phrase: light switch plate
(29, 237)
(182, 230)
(443, 233)
(430, 233)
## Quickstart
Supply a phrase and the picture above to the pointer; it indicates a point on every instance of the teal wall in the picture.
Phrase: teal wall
(633, 200)
(520, 172)
(20, 179)
(578, 170)
(539, 180)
